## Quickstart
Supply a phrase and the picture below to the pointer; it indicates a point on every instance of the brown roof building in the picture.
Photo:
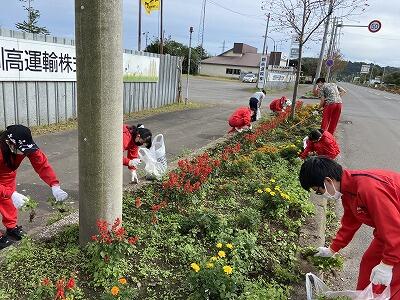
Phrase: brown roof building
(242, 58)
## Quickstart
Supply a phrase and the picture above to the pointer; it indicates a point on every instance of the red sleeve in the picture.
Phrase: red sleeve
(6, 192)
(330, 146)
(132, 152)
(380, 203)
(349, 226)
(309, 148)
(42, 166)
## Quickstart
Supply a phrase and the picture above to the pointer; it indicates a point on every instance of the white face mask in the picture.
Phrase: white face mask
(336, 196)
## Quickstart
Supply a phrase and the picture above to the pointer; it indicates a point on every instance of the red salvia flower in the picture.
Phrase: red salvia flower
(138, 202)
(46, 281)
(70, 284)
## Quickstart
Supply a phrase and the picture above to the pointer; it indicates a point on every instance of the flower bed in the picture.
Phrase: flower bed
(224, 225)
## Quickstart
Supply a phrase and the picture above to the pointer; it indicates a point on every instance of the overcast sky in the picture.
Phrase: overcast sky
(226, 20)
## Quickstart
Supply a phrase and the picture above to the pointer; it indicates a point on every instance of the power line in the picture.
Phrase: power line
(236, 12)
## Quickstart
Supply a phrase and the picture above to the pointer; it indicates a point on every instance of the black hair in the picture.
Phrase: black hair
(264, 92)
(321, 79)
(144, 133)
(315, 169)
(8, 156)
(315, 134)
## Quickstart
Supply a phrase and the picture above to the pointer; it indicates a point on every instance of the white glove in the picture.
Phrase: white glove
(238, 129)
(58, 193)
(18, 200)
(381, 274)
(315, 112)
(134, 162)
(134, 176)
(250, 127)
(324, 252)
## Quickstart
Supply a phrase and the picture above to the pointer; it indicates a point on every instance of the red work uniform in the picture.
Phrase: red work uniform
(326, 146)
(240, 118)
(8, 182)
(128, 145)
(372, 197)
(277, 104)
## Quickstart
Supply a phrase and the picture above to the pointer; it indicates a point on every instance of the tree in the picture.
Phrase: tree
(302, 19)
(339, 64)
(178, 49)
(31, 24)
(392, 78)
(308, 66)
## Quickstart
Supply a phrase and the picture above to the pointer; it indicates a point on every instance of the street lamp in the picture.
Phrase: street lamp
(188, 68)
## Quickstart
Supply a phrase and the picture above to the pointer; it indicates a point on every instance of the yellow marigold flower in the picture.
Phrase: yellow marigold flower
(259, 191)
(272, 193)
(122, 280)
(272, 180)
(221, 253)
(229, 246)
(219, 245)
(210, 266)
(214, 258)
(277, 188)
(114, 290)
(268, 190)
(227, 269)
(195, 267)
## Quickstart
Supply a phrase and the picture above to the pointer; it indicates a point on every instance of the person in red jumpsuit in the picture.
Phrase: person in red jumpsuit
(320, 142)
(133, 138)
(370, 197)
(16, 143)
(330, 96)
(278, 105)
(241, 118)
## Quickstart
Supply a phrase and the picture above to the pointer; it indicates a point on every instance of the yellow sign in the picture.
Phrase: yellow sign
(150, 5)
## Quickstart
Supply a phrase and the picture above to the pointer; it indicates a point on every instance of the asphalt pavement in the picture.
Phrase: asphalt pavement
(184, 131)
(370, 138)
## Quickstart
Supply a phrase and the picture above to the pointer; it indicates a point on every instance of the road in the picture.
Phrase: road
(184, 131)
(370, 138)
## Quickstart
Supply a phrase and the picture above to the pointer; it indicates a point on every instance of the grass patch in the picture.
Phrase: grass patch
(72, 124)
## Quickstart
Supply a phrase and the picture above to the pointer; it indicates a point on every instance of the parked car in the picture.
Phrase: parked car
(249, 78)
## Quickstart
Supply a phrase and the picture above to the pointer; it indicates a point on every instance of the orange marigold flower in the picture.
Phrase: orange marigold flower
(122, 280)
(114, 290)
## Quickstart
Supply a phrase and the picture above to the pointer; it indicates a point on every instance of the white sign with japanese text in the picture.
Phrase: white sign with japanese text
(262, 72)
(27, 60)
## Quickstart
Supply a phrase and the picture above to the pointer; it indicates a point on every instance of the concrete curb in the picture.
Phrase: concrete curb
(311, 234)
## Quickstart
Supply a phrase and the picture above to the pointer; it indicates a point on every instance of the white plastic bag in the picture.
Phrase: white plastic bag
(316, 287)
(155, 158)
(305, 140)
(258, 114)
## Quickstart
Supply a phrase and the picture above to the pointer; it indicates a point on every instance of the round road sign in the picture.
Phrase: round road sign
(329, 62)
(374, 26)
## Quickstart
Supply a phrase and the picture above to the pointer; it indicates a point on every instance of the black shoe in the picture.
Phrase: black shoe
(16, 232)
(5, 242)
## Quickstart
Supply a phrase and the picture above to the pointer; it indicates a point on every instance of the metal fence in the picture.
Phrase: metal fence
(35, 103)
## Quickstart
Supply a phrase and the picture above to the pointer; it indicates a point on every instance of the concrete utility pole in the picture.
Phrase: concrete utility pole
(324, 38)
(188, 70)
(266, 35)
(161, 28)
(140, 27)
(98, 34)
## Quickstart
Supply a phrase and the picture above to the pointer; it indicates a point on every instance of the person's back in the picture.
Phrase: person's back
(327, 145)
(331, 93)
(258, 95)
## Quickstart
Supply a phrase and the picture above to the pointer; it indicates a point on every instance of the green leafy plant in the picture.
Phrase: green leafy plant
(30, 206)
(107, 254)
(324, 264)
(120, 291)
